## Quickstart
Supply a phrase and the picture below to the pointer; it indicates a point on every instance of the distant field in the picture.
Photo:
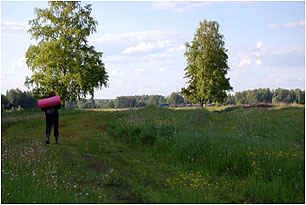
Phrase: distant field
(156, 155)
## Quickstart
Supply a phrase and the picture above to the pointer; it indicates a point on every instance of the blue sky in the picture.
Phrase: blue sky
(143, 43)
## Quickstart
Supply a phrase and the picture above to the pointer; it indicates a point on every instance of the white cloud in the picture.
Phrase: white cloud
(114, 58)
(139, 70)
(259, 44)
(267, 56)
(162, 69)
(282, 51)
(258, 62)
(120, 82)
(7, 73)
(177, 48)
(13, 27)
(155, 41)
(245, 62)
(20, 62)
(164, 85)
(141, 47)
(148, 46)
(156, 35)
(300, 24)
(158, 57)
(178, 7)
(115, 73)
(164, 43)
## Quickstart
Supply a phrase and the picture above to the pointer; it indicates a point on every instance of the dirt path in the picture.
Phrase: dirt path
(17, 118)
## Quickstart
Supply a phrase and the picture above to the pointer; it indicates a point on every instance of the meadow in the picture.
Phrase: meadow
(156, 155)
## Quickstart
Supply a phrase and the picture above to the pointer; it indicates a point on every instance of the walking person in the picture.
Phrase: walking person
(52, 119)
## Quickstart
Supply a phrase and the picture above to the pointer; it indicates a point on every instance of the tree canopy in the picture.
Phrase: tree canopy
(206, 65)
(62, 60)
(15, 98)
(265, 95)
(175, 98)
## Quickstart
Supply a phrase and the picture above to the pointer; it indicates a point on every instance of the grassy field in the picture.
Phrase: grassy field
(151, 155)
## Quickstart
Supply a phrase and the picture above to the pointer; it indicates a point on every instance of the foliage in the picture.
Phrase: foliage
(138, 101)
(125, 101)
(175, 98)
(15, 98)
(206, 65)
(265, 95)
(156, 100)
(62, 60)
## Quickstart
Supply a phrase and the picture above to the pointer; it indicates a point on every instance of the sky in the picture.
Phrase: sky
(143, 43)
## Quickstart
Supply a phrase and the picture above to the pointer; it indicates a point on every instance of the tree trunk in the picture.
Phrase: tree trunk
(201, 104)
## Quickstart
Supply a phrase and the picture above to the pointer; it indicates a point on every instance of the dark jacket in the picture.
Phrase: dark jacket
(52, 110)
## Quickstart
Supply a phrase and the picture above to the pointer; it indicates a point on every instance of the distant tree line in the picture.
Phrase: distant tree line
(16, 99)
(90, 104)
(128, 101)
(265, 95)
(148, 100)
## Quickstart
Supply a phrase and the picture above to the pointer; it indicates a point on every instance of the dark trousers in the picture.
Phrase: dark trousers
(52, 120)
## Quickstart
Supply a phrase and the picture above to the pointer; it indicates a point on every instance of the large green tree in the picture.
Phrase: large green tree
(62, 60)
(206, 65)
(175, 98)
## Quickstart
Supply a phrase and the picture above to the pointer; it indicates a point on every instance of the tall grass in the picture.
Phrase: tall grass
(262, 147)
(156, 155)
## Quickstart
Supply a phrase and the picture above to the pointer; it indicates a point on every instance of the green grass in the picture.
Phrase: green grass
(156, 155)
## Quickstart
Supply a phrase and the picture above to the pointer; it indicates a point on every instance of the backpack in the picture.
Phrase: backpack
(51, 111)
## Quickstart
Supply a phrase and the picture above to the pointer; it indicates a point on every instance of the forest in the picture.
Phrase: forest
(17, 99)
